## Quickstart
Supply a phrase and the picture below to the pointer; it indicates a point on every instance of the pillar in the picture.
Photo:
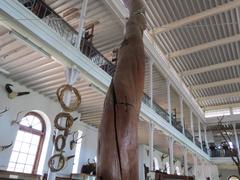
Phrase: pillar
(181, 113)
(81, 23)
(170, 149)
(169, 101)
(192, 126)
(151, 133)
(195, 165)
(151, 81)
(205, 137)
(236, 138)
(199, 133)
(185, 161)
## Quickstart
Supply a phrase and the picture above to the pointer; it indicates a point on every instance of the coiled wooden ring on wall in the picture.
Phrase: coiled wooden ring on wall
(62, 140)
(60, 95)
(68, 124)
(60, 162)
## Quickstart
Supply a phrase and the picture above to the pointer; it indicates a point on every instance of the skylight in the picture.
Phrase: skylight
(219, 112)
(236, 110)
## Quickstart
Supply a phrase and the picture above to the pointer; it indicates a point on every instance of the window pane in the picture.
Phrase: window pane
(20, 136)
(17, 146)
(14, 157)
(25, 147)
(35, 139)
(19, 167)
(38, 127)
(24, 122)
(30, 160)
(33, 149)
(22, 158)
(27, 169)
(11, 166)
(27, 137)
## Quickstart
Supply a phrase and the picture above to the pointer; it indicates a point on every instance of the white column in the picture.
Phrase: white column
(151, 133)
(195, 166)
(81, 23)
(192, 126)
(236, 138)
(199, 132)
(181, 113)
(205, 137)
(185, 161)
(151, 81)
(169, 101)
(170, 149)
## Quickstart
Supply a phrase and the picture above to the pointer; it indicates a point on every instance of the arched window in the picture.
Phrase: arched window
(177, 170)
(233, 178)
(28, 144)
(155, 164)
(167, 167)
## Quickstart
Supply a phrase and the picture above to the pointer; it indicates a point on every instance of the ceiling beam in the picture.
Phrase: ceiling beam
(210, 68)
(219, 96)
(204, 46)
(196, 17)
(222, 106)
(215, 84)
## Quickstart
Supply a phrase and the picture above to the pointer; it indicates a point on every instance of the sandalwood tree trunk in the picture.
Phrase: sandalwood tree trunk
(117, 146)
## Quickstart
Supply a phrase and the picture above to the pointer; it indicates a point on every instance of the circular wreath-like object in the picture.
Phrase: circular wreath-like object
(60, 94)
(60, 165)
(63, 142)
(69, 121)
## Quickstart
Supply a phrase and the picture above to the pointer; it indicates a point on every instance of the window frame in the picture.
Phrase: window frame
(41, 134)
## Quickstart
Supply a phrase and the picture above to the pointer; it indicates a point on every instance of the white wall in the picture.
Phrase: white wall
(27, 103)
(50, 108)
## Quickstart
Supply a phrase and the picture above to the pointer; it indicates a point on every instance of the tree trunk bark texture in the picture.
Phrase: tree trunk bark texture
(117, 144)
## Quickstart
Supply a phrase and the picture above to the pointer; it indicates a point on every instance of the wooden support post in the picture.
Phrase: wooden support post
(118, 144)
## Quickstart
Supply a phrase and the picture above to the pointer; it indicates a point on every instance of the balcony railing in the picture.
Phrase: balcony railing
(177, 125)
(222, 150)
(69, 34)
(160, 111)
(188, 135)
(197, 142)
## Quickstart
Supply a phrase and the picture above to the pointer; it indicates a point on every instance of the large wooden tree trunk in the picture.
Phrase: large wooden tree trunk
(117, 148)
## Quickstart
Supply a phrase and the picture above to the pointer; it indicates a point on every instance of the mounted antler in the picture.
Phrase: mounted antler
(164, 156)
(17, 120)
(75, 139)
(2, 148)
(6, 109)
(12, 94)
